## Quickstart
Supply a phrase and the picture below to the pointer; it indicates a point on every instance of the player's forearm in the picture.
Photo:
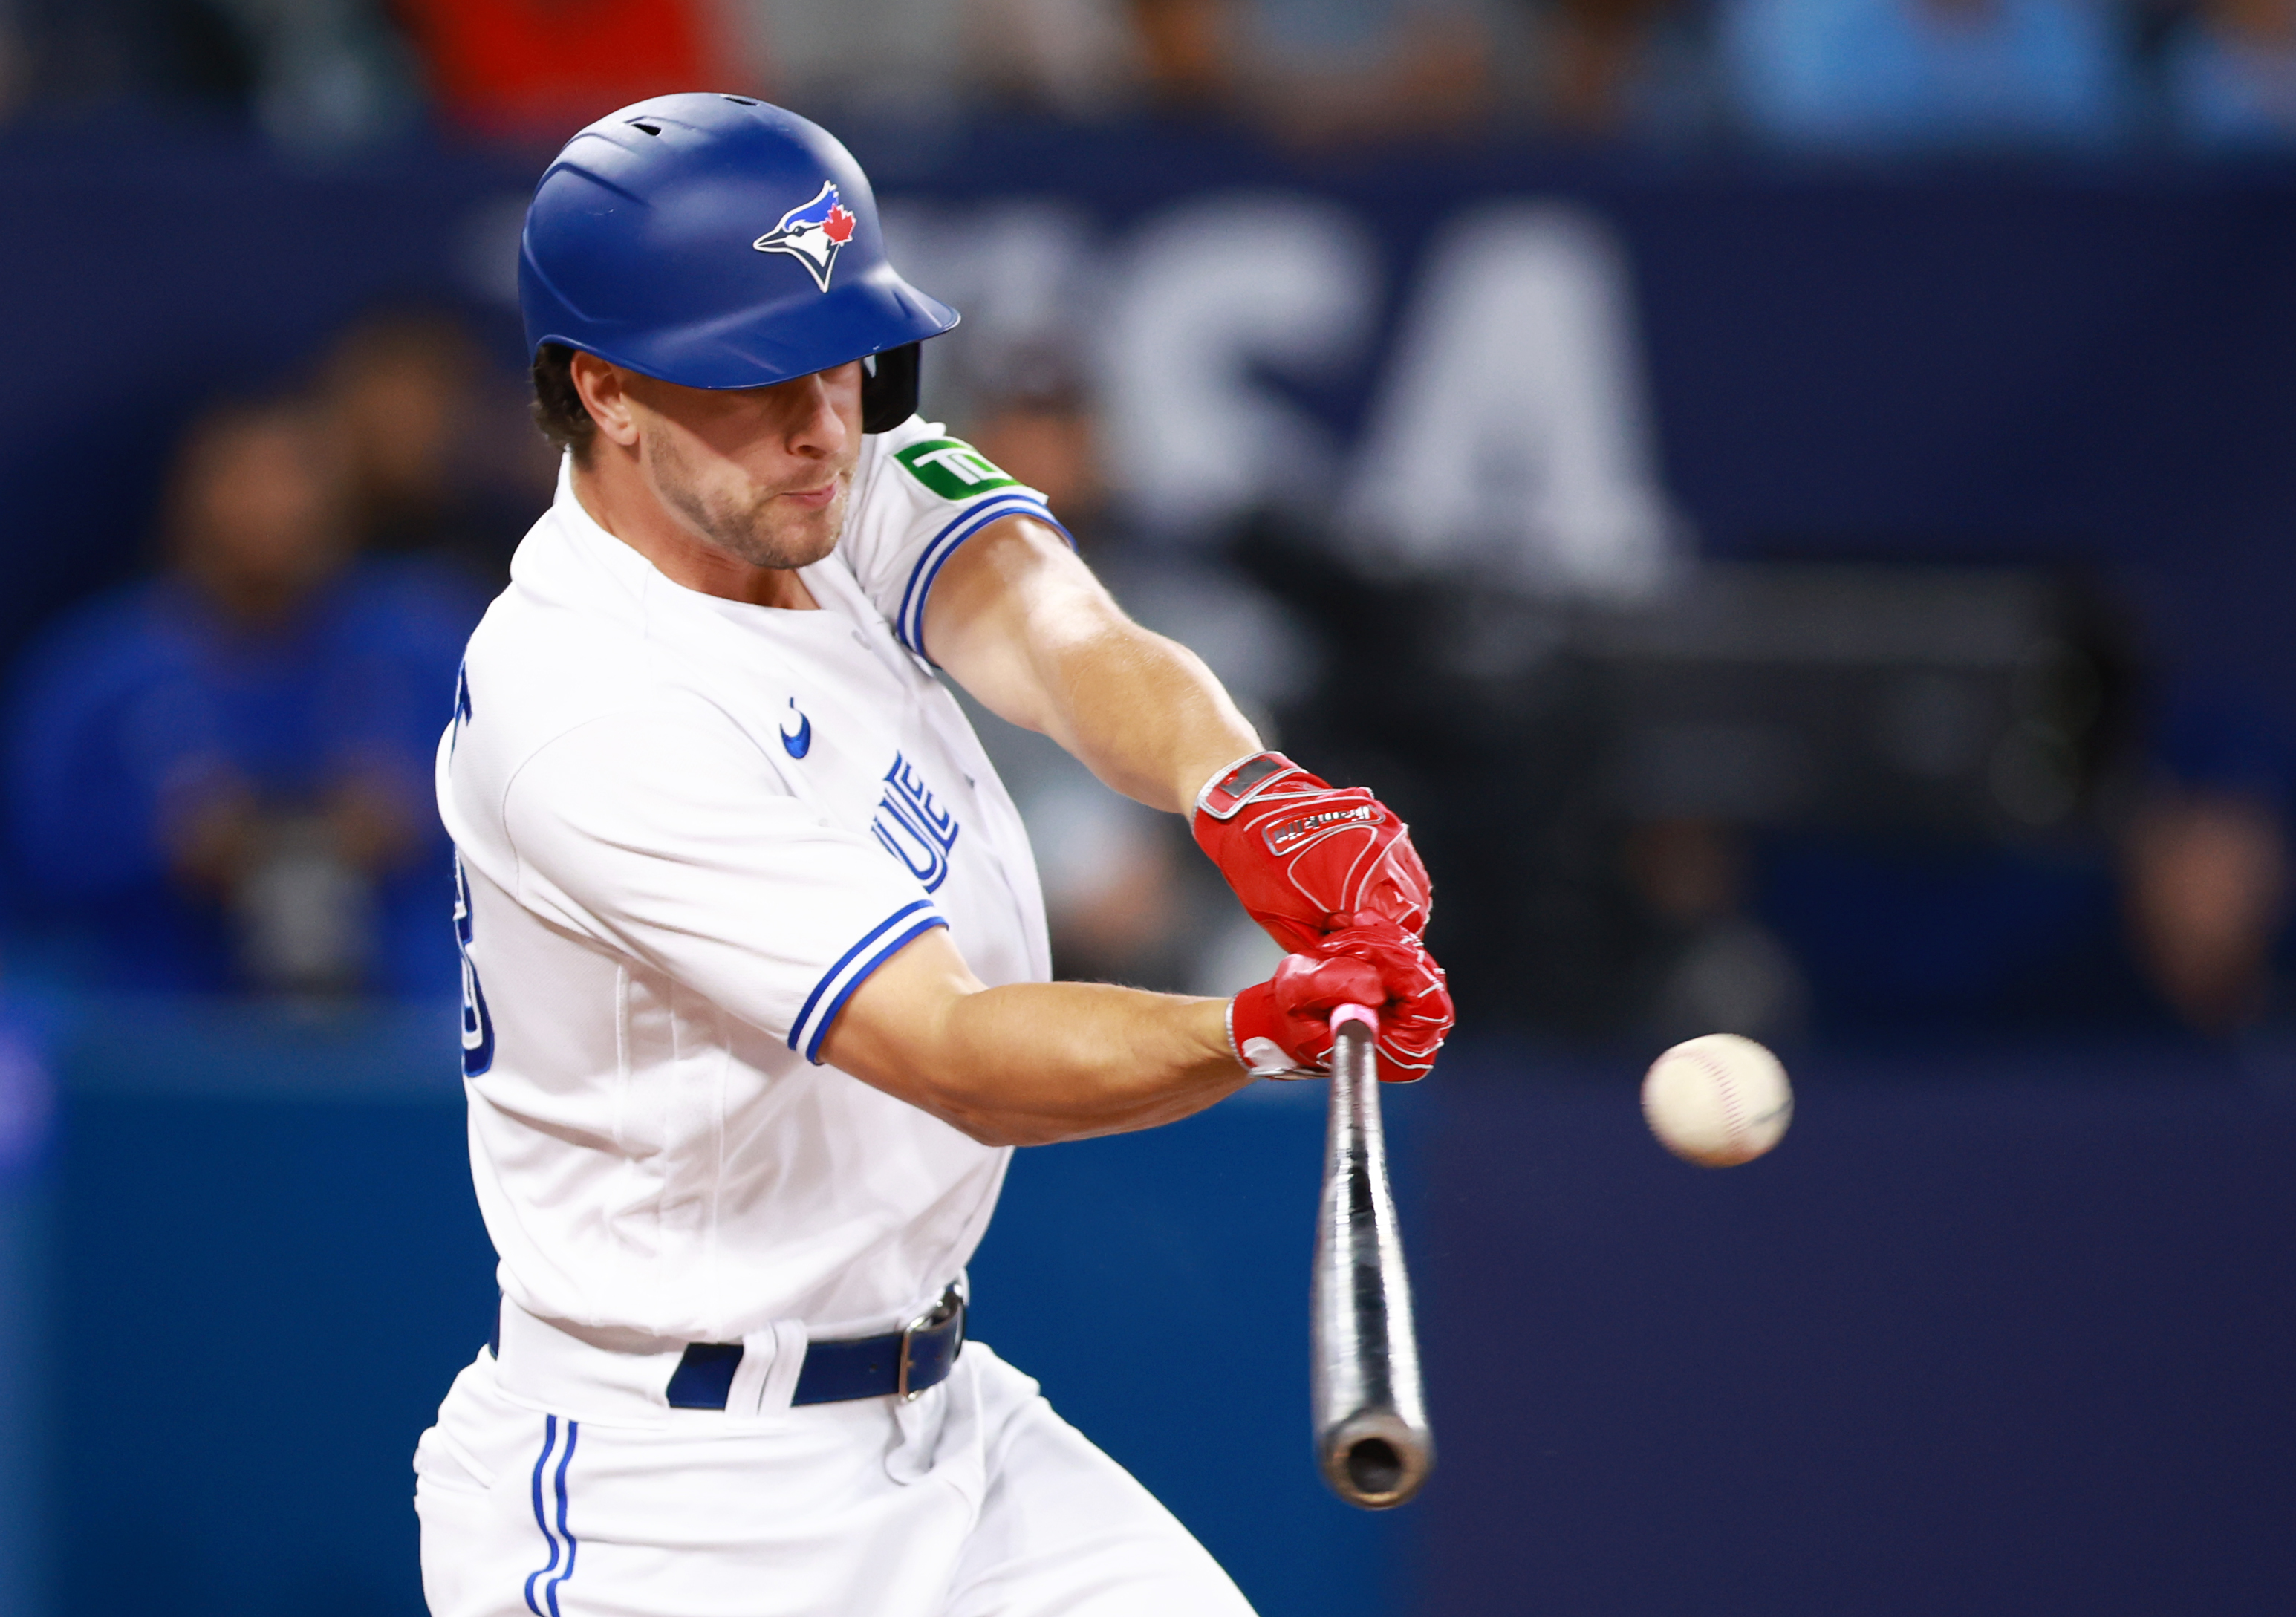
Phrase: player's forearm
(1031, 1062)
(1144, 715)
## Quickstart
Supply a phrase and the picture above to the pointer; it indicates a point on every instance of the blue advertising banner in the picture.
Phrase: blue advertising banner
(1569, 370)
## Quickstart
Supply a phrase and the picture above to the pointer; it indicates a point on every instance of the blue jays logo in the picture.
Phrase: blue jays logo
(914, 828)
(813, 234)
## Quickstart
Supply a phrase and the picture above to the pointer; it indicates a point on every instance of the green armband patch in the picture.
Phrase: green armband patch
(953, 469)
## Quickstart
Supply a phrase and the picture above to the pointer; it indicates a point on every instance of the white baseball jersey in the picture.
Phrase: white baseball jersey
(686, 829)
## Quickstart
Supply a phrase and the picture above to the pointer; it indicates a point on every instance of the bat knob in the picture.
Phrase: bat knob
(1350, 1014)
(1378, 1458)
(1375, 1469)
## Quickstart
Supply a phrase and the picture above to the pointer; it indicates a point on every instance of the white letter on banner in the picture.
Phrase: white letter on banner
(1203, 296)
(1510, 430)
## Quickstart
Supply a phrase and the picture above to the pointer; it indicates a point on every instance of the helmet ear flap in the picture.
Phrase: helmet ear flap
(889, 388)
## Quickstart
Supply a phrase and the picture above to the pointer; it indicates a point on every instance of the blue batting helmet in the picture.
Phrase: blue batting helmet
(718, 242)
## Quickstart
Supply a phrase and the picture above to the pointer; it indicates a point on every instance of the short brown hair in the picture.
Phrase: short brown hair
(558, 408)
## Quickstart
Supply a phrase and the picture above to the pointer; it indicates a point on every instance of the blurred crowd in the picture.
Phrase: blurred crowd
(218, 777)
(1859, 75)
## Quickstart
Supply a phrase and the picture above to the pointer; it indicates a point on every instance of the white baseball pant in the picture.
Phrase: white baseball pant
(976, 1500)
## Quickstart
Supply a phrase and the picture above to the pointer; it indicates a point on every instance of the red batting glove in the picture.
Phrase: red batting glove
(1285, 1025)
(1304, 856)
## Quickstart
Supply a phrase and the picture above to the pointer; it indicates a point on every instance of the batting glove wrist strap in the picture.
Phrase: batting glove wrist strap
(1240, 782)
(1252, 1025)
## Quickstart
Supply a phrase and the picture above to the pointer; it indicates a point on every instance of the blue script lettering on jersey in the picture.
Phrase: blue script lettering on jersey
(462, 704)
(478, 1027)
(915, 829)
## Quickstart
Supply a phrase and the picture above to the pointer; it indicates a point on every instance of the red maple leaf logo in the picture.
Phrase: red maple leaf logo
(839, 226)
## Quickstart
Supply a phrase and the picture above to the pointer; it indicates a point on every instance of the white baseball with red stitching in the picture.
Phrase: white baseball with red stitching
(1717, 1100)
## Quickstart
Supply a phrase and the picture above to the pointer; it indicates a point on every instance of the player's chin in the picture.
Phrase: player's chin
(812, 531)
(787, 538)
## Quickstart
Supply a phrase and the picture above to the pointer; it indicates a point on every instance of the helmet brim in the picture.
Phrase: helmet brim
(756, 348)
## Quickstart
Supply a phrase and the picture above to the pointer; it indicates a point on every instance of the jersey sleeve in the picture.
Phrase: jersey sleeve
(669, 837)
(922, 495)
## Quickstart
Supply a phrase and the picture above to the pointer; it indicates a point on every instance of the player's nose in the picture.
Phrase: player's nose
(819, 428)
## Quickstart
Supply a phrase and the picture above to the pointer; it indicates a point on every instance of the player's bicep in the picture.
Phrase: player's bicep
(1003, 610)
(922, 500)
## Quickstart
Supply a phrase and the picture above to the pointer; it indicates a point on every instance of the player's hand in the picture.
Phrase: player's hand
(1284, 1025)
(1303, 856)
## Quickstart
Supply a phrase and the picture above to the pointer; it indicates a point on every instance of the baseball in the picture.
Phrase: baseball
(1717, 1100)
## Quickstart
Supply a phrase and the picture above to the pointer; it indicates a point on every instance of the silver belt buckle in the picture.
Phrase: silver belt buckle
(939, 1314)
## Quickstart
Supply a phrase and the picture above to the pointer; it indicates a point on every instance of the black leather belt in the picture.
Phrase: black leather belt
(900, 1363)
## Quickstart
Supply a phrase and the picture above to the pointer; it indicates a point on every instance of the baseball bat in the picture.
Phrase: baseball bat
(1372, 1436)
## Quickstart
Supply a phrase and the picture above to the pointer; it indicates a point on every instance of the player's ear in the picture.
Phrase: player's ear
(599, 384)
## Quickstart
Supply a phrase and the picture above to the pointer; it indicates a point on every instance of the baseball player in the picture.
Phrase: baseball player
(754, 959)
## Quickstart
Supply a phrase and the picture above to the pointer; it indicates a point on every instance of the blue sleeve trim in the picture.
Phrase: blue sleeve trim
(909, 622)
(891, 946)
(841, 980)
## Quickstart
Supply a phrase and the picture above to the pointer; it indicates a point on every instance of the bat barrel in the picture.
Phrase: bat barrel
(1372, 1436)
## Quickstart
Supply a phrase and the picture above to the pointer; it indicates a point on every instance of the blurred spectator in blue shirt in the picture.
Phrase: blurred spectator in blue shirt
(1927, 73)
(2230, 75)
(220, 777)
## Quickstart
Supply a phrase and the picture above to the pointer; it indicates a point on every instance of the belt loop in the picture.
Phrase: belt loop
(767, 1373)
